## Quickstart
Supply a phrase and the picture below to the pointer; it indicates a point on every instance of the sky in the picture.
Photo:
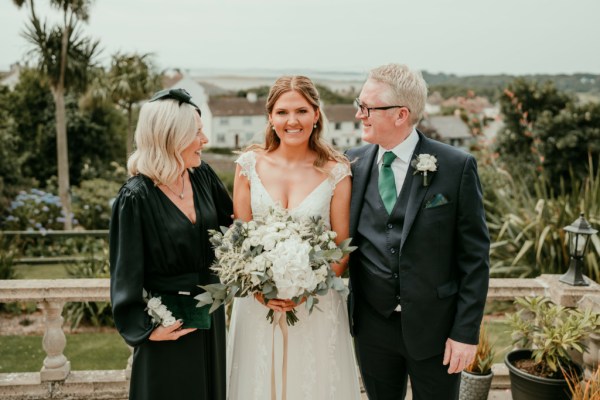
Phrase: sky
(463, 37)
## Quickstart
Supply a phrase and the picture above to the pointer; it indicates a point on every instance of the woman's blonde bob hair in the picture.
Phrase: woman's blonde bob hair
(307, 89)
(165, 128)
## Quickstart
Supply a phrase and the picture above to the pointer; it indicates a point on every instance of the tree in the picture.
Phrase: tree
(96, 131)
(131, 79)
(64, 56)
(521, 104)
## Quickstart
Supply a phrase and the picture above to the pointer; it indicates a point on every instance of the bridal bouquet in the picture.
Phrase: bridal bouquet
(277, 255)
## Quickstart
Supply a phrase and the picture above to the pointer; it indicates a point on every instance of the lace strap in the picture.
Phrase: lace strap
(339, 172)
(247, 161)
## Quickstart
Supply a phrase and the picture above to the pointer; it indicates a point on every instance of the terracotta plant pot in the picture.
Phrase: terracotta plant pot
(475, 386)
(525, 386)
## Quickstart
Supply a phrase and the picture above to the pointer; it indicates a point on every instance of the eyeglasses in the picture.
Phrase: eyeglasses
(364, 110)
(180, 95)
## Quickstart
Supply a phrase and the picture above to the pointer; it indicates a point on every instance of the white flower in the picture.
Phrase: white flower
(159, 312)
(426, 162)
(291, 268)
(154, 303)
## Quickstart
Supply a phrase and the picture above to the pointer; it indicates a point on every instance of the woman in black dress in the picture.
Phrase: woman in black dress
(159, 245)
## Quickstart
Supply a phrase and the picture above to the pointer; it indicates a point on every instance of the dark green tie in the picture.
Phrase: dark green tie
(387, 183)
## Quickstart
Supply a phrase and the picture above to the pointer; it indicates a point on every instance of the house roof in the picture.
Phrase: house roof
(340, 112)
(449, 127)
(236, 106)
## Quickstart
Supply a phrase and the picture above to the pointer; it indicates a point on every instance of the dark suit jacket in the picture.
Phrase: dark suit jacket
(444, 255)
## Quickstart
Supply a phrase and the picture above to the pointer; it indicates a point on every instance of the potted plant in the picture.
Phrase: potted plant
(476, 379)
(546, 334)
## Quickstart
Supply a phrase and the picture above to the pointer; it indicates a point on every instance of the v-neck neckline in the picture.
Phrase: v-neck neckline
(179, 210)
(279, 201)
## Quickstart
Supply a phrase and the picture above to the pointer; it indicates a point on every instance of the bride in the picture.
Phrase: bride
(295, 169)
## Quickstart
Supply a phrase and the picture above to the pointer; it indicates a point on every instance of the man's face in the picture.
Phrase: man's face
(380, 126)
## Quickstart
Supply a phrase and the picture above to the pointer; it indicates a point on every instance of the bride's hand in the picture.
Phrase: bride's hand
(280, 305)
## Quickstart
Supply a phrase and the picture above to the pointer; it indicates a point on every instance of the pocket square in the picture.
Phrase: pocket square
(436, 201)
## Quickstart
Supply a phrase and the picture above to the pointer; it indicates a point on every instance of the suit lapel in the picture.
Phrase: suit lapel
(417, 191)
(361, 170)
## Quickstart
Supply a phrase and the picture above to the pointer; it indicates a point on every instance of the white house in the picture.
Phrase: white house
(237, 121)
(344, 129)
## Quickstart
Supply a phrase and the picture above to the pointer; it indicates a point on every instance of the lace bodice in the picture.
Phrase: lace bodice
(317, 203)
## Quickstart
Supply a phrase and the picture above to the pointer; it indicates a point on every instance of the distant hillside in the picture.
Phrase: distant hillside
(491, 85)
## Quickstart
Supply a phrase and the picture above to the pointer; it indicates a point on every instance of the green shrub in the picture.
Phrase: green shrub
(96, 313)
(526, 221)
(92, 202)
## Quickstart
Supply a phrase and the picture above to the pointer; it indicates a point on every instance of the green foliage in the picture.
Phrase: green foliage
(484, 357)
(92, 202)
(567, 138)
(522, 103)
(95, 133)
(526, 218)
(551, 331)
(97, 313)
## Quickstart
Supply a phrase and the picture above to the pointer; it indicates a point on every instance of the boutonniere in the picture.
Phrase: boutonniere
(423, 164)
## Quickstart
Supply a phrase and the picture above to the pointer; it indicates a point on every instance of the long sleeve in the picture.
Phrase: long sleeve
(127, 269)
(473, 244)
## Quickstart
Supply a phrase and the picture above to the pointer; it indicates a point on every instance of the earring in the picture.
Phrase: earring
(315, 126)
(273, 128)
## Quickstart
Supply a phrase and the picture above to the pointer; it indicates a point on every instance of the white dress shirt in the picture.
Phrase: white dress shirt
(403, 152)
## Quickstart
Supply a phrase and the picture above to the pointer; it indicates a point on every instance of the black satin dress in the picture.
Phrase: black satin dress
(153, 245)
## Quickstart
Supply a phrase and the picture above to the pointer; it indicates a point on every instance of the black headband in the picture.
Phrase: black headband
(181, 95)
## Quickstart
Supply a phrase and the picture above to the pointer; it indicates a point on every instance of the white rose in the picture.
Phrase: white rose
(426, 162)
(154, 303)
(168, 321)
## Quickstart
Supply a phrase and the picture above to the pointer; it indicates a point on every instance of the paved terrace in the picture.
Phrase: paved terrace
(56, 380)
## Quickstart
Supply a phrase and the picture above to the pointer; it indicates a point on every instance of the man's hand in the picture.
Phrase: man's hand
(458, 355)
(172, 332)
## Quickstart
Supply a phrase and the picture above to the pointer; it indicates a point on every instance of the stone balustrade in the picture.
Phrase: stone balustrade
(56, 380)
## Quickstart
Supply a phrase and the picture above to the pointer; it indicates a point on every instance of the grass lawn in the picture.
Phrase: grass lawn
(499, 332)
(48, 271)
(86, 351)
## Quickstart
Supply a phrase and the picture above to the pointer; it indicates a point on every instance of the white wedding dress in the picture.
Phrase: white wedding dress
(320, 355)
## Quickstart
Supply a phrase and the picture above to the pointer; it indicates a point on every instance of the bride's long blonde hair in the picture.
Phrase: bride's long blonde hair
(307, 89)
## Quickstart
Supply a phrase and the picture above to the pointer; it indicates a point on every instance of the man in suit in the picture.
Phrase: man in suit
(419, 277)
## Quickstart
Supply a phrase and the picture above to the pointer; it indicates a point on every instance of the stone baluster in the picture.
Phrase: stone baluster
(591, 357)
(56, 366)
(129, 363)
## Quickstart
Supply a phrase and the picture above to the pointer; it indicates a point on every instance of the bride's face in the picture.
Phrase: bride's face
(293, 118)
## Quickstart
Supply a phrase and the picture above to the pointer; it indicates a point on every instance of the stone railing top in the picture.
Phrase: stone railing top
(54, 290)
(98, 290)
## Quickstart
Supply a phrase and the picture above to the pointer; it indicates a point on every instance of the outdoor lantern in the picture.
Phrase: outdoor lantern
(579, 233)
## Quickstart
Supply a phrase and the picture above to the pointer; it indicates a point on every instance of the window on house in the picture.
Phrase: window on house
(357, 125)
(221, 138)
(224, 121)
(338, 126)
(247, 121)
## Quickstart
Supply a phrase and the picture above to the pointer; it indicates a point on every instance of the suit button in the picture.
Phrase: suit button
(395, 276)
(398, 297)
(393, 250)
(390, 226)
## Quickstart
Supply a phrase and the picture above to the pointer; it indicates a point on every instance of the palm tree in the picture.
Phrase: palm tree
(64, 57)
(132, 78)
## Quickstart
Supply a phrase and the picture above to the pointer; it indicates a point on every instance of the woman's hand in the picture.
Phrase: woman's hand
(172, 332)
(280, 305)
